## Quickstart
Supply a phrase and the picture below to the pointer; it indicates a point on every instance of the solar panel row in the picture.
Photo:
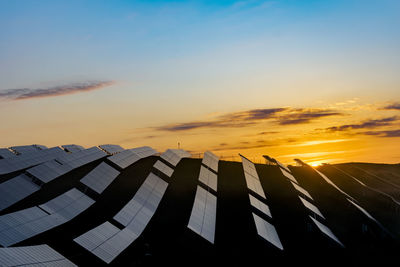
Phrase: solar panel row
(51, 170)
(6, 153)
(208, 178)
(27, 149)
(40, 255)
(162, 167)
(264, 229)
(27, 160)
(23, 224)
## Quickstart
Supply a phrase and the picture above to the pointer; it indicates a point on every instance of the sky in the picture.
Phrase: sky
(315, 80)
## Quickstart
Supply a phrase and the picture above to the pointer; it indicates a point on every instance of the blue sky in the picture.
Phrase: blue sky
(175, 61)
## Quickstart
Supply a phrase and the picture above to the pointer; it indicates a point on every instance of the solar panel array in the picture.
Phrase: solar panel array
(100, 177)
(16, 189)
(111, 149)
(6, 153)
(173, 156)
(73, 148)
(264, 229)
(51, 170)
(21, 225)
(313, 208)
(127, 157)
(204, 212)
(27, 160)
(40, 255)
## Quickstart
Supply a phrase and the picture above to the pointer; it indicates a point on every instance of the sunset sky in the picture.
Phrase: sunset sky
(316, 80)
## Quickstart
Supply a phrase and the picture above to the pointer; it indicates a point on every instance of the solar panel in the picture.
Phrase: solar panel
(203, 216)
(148, 196)
(363, 210)
(260, 206)
(326, 231)
(51, 170)
(27, 160)
(332, 184)
(100, 177)
(16, 189)
(95, 237)
(40, 255)
(251, 176)
(210, 160)
(311, 207)
(208, 178)
(173, 156)
(267, 231)
(73, 148)
(159, 165)
(130, 156)
(106, 241)
(112, 149)
(6, 153)
(302, 190)
(289, 175)
(34, 221)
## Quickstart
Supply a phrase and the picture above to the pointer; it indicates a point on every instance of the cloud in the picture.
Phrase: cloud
(29, 93)
(301, 116)
(389, 133)
(395, 106)
(365, 125)
(282, 116)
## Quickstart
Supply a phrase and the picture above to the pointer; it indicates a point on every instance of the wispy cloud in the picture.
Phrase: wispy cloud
(389, 133)
(282, 116)
(368, 124)
(319, 142)
(301, 116)
(395, 106)
(29, 93)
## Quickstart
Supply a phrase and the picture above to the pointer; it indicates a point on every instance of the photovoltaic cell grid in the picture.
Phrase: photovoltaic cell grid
(100, 177)
(127, 157)
(40, 255)
(173, 156)
(208, 178)
(210, 160)
(203, 216)
(27, 160)
(326, 231)
(267, 231)
(106, 241)
(21, 225)
(73, 148)
(51, 170)
(16, 189)
(162, 167)
(6, 153)
(112, 149)
(251, 176)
